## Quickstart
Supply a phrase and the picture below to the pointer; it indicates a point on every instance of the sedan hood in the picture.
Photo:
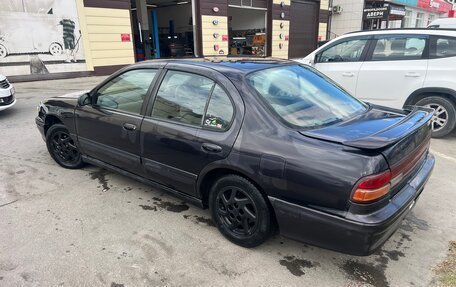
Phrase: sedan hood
(376, 129)
(74, 95)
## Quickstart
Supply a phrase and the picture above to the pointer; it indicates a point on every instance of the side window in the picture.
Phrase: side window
(127, 91)
(394, 49)
(219, 111)
(443, 47)
(349, 51)
(182, 97)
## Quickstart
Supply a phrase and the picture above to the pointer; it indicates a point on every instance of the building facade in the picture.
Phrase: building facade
(356, 15)
(83, 37)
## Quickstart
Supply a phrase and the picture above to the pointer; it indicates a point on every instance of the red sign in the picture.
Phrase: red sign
(125, 37)
(286, 37)
(224, 38)
(439, 6)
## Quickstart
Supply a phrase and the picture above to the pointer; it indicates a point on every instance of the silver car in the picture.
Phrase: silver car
(7, 91)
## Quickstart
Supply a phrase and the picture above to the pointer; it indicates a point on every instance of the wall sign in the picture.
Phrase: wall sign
(125, 37)
(375, 13)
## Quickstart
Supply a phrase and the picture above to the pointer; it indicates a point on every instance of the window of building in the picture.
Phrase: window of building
(430, 19)
(349, 51)
(389, 49)
(419, 22)
(182, 97)
(407, 21)
(127, 91)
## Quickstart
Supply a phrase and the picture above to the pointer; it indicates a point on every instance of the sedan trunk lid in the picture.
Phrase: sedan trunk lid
(402, 137)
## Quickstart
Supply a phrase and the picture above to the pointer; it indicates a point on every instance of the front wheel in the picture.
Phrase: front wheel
(444, 119)
(62, 148)
(240, 211)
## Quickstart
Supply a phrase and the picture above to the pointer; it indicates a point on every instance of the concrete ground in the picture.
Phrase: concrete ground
(90, 227)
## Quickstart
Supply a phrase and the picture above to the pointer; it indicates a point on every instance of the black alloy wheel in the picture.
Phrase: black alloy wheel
(62, 148)
(237, 210)
(240, 211)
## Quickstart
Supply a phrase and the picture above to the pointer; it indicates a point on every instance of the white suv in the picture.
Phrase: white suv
(6, 94)
(396, 68)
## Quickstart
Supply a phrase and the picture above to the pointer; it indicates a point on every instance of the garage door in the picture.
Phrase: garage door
(303, 28)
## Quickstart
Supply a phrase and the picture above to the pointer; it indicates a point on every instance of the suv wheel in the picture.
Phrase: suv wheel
(444, 119)
(62, 148)
(240, 211)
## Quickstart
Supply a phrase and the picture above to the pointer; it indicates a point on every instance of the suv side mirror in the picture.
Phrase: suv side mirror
(85, 99)
(313, 61)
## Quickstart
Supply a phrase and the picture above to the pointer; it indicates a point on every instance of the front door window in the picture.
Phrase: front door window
(126, 92)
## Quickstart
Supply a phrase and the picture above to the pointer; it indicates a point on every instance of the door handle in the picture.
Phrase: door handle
(348, 74)
(211, 147)
(129, 127)
(412, 75)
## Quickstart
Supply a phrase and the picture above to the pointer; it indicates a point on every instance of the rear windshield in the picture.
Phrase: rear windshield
(303, 97)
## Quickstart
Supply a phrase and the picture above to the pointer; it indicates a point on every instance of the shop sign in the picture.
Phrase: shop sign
(396, 10)
(125, 37)
(439, 6)
(375, 13)
(407, 2)
(224, 38)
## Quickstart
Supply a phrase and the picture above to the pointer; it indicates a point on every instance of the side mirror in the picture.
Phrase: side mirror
(313, 60)
(84, 100)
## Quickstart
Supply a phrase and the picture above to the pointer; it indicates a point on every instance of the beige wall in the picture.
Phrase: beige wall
(323, 27)
(101, 30)
(287, 2)
(208, 30)
(277, 51)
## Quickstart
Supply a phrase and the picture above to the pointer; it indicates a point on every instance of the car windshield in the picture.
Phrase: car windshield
(303, 97)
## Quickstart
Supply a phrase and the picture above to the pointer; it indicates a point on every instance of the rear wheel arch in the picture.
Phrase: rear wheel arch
(420, 94)
(210, 177)
(441, 99)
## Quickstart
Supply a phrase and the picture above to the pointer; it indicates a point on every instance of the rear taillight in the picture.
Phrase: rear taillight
(372, 187)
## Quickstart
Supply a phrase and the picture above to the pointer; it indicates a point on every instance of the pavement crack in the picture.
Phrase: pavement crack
(11, 202)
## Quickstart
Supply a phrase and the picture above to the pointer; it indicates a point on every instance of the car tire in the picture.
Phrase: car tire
(55, 49)
(444, 119)
(62, 147)
(240, 211)
(3, 51)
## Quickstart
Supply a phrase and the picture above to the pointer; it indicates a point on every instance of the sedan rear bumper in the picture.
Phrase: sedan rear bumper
(354, 234)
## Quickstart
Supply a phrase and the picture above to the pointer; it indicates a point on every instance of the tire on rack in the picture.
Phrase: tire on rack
(444, 119)
(62, 148)
(240, 211)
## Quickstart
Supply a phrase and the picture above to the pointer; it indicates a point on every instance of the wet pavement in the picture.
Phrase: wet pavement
(91, 227)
